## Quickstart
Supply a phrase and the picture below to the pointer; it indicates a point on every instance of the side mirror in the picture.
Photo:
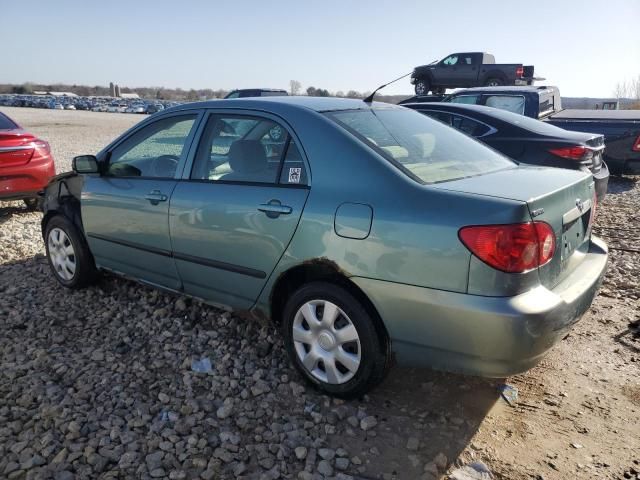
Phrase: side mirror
(85, 164)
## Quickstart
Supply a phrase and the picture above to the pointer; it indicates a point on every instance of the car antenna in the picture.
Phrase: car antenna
(369, 99)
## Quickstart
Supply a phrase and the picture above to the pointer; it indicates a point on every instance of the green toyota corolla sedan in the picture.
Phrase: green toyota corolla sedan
(367, 231)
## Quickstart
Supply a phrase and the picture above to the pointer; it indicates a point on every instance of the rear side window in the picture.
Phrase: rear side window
(423, 148)
(510, 103)
(469, 126)
(239, 148)
(466, 99)
(6, 124)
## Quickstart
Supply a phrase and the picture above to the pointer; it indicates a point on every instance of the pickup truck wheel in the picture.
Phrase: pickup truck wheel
(422, 86)
(332, 340)
(494, 82)
(69, 257)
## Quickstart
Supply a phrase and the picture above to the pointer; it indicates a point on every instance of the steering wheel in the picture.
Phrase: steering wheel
(164, 166)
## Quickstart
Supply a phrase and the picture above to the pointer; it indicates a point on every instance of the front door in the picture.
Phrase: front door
(235, 212)
(125, 210)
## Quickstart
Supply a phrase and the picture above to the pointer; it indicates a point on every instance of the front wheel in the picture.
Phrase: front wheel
(69, 257)
(332, 340)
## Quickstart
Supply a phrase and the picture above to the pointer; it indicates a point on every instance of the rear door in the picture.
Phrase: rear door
(237, 206)
(125, 211)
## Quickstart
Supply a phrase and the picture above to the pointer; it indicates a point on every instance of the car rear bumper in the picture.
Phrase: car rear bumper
(601, 180)
(27, 180)
(487, 336)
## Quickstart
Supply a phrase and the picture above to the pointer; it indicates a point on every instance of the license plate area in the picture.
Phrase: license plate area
(575, 232)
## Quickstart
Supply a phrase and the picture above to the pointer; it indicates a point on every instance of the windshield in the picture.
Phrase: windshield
(423, 148)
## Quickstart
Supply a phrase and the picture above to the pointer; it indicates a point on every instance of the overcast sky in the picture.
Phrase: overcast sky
(583, 46)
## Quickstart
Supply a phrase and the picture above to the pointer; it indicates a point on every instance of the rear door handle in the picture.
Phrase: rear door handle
(155, 197)
(274, 209)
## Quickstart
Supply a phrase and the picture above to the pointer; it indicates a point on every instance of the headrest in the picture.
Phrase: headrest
(247, 156)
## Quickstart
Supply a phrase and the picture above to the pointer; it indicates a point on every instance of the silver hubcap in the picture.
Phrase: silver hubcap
(420, 88)
(326, 342)
(61, 254)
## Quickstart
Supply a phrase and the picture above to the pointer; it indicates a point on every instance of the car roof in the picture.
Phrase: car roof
(318, 104)
(492, 115)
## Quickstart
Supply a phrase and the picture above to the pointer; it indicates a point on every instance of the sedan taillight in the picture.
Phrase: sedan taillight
(512, 248)
(636, 145)
(577, 152)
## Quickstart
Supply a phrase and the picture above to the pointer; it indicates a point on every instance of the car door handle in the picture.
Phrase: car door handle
(155, 197)
(274, 208)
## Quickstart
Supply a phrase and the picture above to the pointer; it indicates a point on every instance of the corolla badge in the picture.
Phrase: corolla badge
(579, 204)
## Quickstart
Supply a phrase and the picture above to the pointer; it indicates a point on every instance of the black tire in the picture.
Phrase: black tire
(494, 82)
(374, 351)
(422, 86)
(85, 270)
(31, 203)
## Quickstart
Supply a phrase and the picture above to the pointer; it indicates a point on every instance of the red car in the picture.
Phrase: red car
(26, 163)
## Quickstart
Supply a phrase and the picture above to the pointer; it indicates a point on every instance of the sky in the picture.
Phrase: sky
(585, 47)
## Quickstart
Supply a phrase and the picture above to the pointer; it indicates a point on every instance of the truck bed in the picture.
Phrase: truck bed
(583, 114)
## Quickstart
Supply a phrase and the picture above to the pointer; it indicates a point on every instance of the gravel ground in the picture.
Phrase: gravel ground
(99, 383)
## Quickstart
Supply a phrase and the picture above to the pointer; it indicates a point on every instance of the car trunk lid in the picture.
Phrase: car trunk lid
(562, 198)
(16, 147)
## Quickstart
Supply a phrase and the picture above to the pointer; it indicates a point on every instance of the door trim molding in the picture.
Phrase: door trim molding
(230, 267)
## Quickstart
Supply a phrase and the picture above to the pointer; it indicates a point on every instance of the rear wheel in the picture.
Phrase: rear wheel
(422, 86)
(69, 257)
(31, 203)
(332, 340)
(494, 82)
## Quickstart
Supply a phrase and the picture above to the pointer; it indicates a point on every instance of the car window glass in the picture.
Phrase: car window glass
(443, 117)
(467, 60)
(469, 126)
(452, 60)
(154, 151)
(509, 103)
(233, 95)
(424, 149)
(240, 149)
(6, 124)
(466, 99)
(293, 170)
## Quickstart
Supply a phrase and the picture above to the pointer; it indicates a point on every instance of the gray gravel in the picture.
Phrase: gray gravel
(98, 382)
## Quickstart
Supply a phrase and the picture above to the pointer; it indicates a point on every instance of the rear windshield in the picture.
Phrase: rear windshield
(510, 103)
(6, 124)
(423, 148)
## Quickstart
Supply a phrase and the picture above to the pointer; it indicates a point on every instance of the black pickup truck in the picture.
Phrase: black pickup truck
(621, 128)
(469, 69)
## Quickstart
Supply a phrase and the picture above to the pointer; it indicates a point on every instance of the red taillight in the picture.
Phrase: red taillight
(519, 71)
(513, 248)
(572, 153)
(636, 145)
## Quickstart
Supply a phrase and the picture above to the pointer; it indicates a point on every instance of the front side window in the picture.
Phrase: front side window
(510, 103)
(423, 148)
(238, 148)
(450, 60)
(154, 151)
